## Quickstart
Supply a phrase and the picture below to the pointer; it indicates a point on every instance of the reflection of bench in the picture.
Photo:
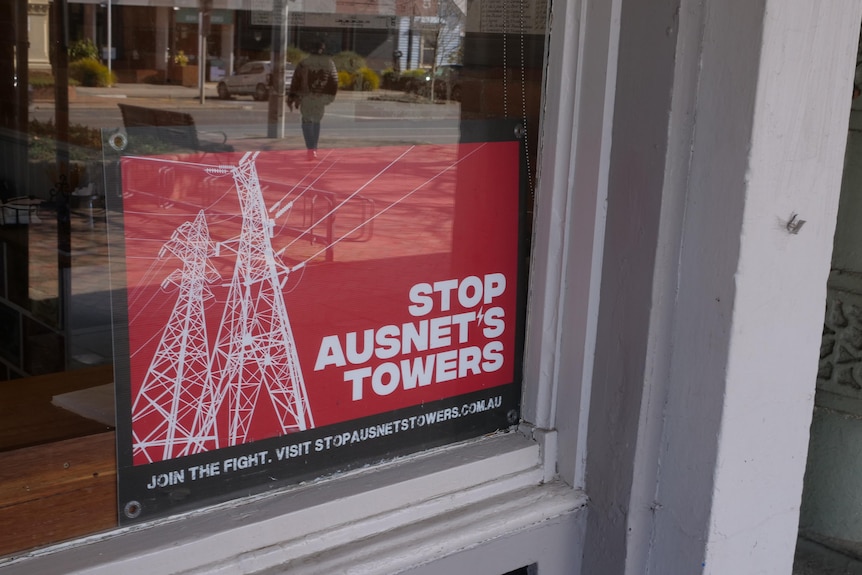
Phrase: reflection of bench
(176, 128)
(18, 211)
(313, 215)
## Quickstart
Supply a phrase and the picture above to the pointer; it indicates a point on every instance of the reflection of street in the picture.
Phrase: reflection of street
(354, 117)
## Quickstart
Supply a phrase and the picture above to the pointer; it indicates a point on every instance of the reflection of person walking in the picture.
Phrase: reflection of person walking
(314, 84)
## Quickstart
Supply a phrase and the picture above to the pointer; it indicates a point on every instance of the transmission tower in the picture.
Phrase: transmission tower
(255, 350)
(177, 397)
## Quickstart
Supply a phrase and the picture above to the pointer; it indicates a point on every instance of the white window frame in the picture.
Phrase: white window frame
(410, 513)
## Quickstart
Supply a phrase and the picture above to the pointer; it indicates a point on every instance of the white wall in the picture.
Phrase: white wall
(731, 116)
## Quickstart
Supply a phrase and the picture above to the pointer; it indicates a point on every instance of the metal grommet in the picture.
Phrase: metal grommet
(513, 416)
(118, 141)
(132, 509)
(519, 131)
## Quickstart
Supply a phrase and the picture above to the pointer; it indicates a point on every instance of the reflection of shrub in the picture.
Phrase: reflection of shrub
(389, 79)
(345, 80)
(415, 73)
(295, 55)
(348, 61)
(415, 81)
(83, 49)
(365, 79)
(39, 79)
(180, 59)
(90, 72)
(79, 135)
(85, 143)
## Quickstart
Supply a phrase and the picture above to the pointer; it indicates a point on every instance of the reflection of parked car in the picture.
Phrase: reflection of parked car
(252, 79)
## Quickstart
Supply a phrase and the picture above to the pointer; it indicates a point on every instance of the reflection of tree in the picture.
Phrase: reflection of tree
(446, 41)
(440, 23)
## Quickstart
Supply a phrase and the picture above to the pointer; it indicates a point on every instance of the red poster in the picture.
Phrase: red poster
(270, 295)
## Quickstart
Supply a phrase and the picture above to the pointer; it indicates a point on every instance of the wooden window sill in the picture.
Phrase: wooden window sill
(58, 471)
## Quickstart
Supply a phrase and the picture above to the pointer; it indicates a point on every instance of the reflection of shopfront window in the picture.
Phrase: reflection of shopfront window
(186, 42)
(219, 39)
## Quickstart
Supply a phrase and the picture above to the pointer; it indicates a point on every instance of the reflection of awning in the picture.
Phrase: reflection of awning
(188, 10)
(364, 7)
(190, 16)
(318, 6)
(217, 4)
(153, 3)
(341, 20)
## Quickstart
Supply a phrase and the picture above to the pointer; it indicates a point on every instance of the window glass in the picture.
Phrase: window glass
(280, 233)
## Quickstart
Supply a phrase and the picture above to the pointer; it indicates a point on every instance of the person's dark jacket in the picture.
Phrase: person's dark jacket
(316, 74)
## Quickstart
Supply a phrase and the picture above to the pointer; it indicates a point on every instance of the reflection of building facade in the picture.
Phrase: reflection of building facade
(37, 15)
(147, 41)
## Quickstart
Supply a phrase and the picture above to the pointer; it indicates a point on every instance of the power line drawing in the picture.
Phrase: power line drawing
(201, 393)
(255, 350)
(188, 386)
(178, 391)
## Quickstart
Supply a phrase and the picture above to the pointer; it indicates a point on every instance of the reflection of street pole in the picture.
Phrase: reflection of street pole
(201, 55)
(204, 19)
(275, 117)
(110, 45)
(409, 63)
(60, 51)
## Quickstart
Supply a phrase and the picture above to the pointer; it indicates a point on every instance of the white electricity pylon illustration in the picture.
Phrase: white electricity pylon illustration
(177, 393)
(192, 389)
(255, 352)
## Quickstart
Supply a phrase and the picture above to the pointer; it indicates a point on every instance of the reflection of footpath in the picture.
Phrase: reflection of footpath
(166, 94)
(354, 119)
(170, 95)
